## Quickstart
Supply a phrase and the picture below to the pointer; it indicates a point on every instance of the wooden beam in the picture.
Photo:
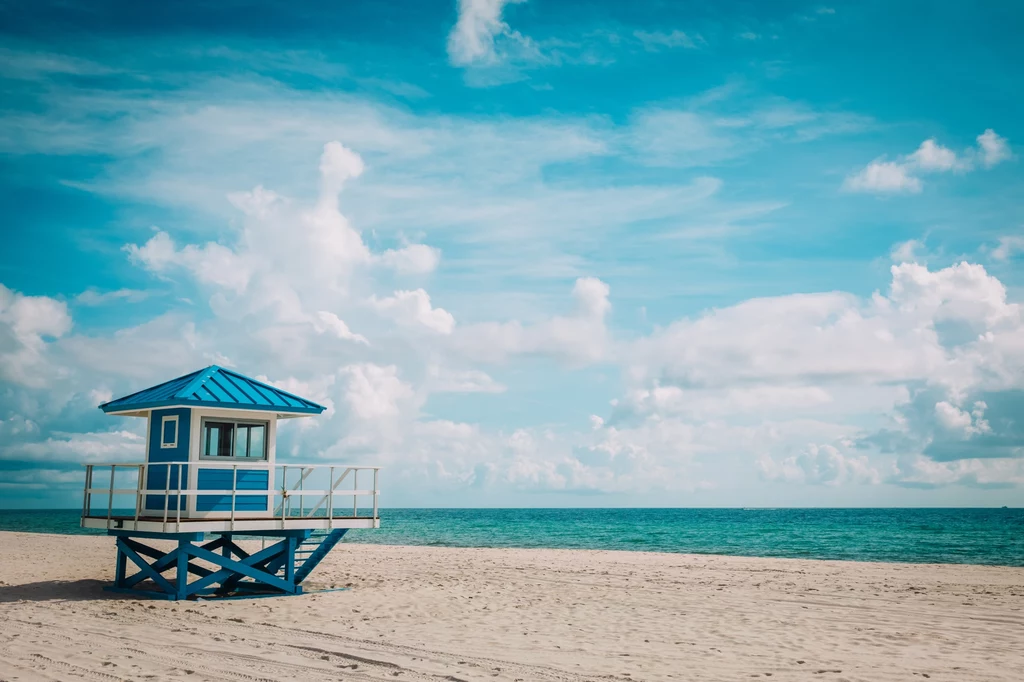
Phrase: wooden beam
(144, 568)
(246, 567)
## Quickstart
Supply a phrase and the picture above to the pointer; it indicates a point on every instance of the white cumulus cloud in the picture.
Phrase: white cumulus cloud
(210, 263)
(883, 176)
(577, 339)
(478, 32)
(446, 380)
(994, 149)
(376, 391)
(413, 308)
(26, 323)
(902, 175)
(932, 156)
(820, 465)
(329, 322)
(412, 259)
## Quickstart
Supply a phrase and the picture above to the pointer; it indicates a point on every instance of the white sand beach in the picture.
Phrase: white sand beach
(416, 613)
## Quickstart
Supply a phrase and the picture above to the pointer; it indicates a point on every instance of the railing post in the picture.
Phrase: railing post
(302, 487)
(284, 493)
(355, 487)
(110, 495)
(234, 491)
(177, 504)
(330, 501)
(167, 494)
(269, 496)
(375, 471)
(86, 507)
(141, 471)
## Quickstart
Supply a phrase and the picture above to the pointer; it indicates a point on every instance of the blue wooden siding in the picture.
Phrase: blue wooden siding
(221, 479)
(177, 454)
(156, 479)
(156, 476)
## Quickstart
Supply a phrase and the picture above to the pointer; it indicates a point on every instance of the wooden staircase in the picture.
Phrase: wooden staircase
(312, 550)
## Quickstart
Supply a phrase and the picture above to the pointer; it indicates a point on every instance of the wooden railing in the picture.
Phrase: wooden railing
(179, 481)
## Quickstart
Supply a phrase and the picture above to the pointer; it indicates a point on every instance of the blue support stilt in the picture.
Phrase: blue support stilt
(122, 568)
(181, 581)
(289, 564)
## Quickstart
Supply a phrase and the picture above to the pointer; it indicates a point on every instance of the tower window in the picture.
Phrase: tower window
(169, 432)
(241, 440)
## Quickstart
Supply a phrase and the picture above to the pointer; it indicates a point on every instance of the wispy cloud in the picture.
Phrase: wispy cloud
(494, 53)
(656, 41)
(480, 180)
(33, 64)
(1008, 247)
(709, 129)
(94, 297)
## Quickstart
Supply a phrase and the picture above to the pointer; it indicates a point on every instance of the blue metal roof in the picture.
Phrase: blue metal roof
(215, 387)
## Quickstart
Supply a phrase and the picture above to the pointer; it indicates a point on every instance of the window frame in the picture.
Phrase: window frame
(235, 423)
(165, 445)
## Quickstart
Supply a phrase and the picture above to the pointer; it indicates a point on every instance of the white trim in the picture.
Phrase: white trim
(185, 489)
(129, 413)
(280, 414)
(197, 461)
(201, 413)
(236, 422)
(228, 464)
(197, 525)
(164, 445)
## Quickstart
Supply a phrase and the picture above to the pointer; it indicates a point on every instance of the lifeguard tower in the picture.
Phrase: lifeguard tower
(211, 469)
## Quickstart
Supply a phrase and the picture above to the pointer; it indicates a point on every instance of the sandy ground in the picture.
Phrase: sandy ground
(416, 613)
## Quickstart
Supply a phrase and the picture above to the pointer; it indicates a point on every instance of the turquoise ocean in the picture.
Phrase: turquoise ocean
(973, 536)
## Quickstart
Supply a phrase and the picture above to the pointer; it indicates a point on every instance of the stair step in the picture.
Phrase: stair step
(305, 556)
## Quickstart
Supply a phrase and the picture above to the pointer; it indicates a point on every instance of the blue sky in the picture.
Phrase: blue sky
(538, 253)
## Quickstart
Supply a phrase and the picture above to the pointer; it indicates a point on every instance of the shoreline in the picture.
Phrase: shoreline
(436, 613)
